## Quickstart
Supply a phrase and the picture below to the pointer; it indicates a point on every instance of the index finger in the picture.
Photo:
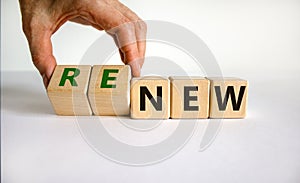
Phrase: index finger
(126, 39)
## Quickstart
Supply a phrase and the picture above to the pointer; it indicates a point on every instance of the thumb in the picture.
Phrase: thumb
(42, 56)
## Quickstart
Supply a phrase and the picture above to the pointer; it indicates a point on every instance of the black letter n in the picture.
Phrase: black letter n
(156, 104)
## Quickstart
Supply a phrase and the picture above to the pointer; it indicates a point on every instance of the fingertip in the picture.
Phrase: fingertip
(135, 68)
(45, 80)
(50, 69)
(46, 70)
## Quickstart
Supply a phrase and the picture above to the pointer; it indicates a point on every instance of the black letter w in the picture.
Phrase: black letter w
(230, 91)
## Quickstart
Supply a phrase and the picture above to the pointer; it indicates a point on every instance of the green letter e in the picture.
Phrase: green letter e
(106, 78)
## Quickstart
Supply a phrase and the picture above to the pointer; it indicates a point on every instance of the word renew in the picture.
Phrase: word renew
(109, 90)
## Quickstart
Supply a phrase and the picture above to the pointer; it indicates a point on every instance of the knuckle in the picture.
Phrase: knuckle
(32, 26)
(142, 26)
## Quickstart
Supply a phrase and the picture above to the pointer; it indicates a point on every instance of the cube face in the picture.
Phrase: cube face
(150, 98)
(67, 90)
(189, 97)
(228, 98)
(109, 90)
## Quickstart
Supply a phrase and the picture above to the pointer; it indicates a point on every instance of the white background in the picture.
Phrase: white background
(255, 40)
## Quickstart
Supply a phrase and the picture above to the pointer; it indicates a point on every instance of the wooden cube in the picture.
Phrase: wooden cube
(150, 98)
(189, 97)
(228, 98)
(67, 90)
(109, 90)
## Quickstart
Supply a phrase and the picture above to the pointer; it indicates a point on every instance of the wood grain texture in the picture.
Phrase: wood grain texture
(235, 91)
(109, 90)
(189, 97)
(153, 85)
(70, 98)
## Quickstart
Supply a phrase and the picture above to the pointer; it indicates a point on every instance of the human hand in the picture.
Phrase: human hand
(42, 18)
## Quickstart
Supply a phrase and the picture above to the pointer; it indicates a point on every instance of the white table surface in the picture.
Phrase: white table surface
(38, 146)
